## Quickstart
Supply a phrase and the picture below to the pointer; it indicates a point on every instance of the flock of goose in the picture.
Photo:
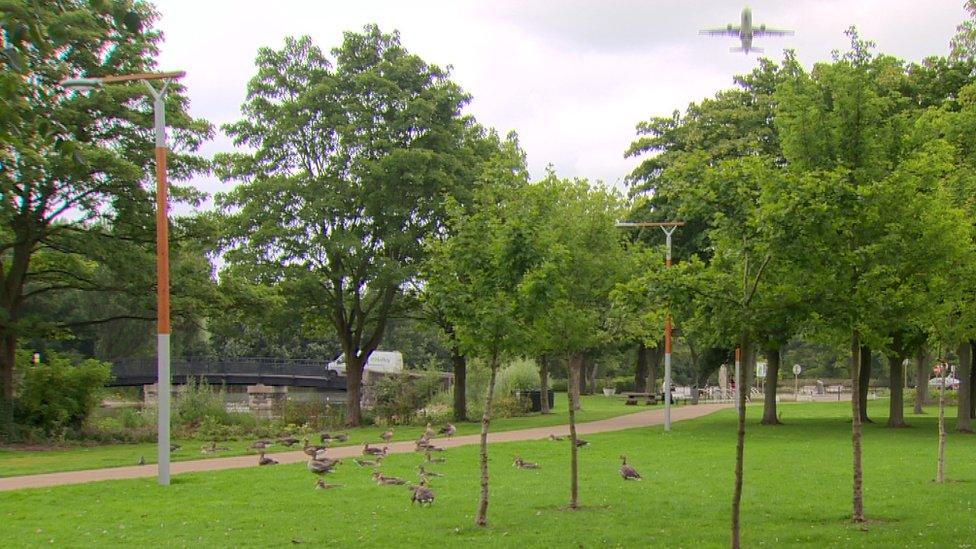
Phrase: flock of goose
(320, 464)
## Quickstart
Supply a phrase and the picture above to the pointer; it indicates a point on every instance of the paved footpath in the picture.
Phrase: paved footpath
(628, 421)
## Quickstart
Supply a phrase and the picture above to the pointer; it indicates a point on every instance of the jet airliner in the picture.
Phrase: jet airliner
(746, 32)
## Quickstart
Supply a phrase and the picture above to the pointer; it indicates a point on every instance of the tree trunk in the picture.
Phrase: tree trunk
(857, 514)
(460, 383)
(940, 471)
(640, 374)
(864, 382)
(544, 383)
(354, 386)
(591, 373)
(8, 357)
(575, 365)
(740, 435)
(656, 354)
(921, 380)
(575, 387)
(896, 405)
(964, 423)
(482, 518)
(772, 377)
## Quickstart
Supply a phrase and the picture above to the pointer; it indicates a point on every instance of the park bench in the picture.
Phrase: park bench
(649, 398)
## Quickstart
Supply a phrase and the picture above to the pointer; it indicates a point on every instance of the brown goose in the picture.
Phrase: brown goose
(373, 451)
(311, 450)
(259, 445)
(519, 463)
(174, 447)
(628, 472)
(380, 478)
(424, 473)
(580, 442)
(448, 430)
(320, 484)
(264, 460)
(288, 441)
(433, 459)
(142, 460)
(341, 437)
(421, 494)
(429, 432)
(321, 467)
(554, 438)
(387, 435)
(368, 462)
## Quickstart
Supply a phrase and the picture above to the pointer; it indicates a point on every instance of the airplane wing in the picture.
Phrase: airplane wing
(763, 30)
(724, 31)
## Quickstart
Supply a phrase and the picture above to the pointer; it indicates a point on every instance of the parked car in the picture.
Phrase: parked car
(950, 382)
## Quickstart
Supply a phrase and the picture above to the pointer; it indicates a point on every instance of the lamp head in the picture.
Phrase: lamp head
(81, 84)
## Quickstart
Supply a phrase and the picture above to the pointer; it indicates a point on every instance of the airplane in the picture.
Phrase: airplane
(746, 32)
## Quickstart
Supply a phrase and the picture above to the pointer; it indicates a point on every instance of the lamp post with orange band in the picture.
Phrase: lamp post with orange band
(162, 247)
(668, 227)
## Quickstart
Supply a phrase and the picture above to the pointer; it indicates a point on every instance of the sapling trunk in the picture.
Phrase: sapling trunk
(482, 518)
(857, 514)
(864, 383)
(940, 472)
(740, 437)
(575, 365)
(544, 383)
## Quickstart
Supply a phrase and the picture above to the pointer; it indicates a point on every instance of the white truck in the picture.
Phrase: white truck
(387, 362)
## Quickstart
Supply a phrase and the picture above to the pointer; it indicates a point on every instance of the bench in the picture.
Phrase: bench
(649, 398)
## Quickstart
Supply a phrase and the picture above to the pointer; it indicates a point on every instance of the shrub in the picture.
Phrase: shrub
(518, 375)
(315, 414)
(399, 398)
(508, 405)
(57, 396)
(197, 400)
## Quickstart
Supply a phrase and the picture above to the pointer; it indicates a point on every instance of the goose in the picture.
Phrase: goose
(264, 460)
(429, 432)
(312, 450)
(328, 462)
(259, 445)
(628, 472)
(421, 494)
(433, 459)
(387, 435)
(580, 442)
(554, 438)
(325, 437)
(424, 473)
(319, 467)
(174, 447)
(319, 455)
(142, 460)
(373, 451)
(448, 430)
(368, 462)
(519, 463)
(380, 478)
(288, 441)
(341, 437)
(320, 484)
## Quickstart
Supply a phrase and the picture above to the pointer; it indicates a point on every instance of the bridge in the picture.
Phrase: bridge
(231, 371)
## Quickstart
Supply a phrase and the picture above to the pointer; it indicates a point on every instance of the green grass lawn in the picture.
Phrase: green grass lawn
(797, 492)
(15, 462)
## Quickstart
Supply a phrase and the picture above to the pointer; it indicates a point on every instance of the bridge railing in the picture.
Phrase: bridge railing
(134, 367)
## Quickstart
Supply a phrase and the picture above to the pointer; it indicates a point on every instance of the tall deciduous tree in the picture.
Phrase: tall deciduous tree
(348, 172)
(74, 163)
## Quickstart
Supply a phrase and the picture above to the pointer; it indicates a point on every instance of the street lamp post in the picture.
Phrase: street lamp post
(163, 386)
(668, 227)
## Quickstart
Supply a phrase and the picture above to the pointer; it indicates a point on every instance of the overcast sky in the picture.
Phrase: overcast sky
(572, 77)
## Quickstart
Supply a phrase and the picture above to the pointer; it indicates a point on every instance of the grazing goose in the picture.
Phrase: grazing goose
(433, 459)
(429, 432)
(421, 494)
(580, 442)
(628, 472)
(289, 441)
(368, 462)
(341, 437)
(259, 445)
(325, 437)
(519, 463)
(142, 460)
(554, 438)
(387, 435)
(373, 451)
(448, 430)
(424, 473)
(320, 484)
(320, 467)
(174, 447)
(380, 478)
(312, 450)
(264, 460)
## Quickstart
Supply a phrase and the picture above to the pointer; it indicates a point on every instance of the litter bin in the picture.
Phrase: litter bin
(535, 397)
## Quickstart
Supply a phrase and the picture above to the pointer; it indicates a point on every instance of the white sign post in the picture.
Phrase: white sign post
(796, 381)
